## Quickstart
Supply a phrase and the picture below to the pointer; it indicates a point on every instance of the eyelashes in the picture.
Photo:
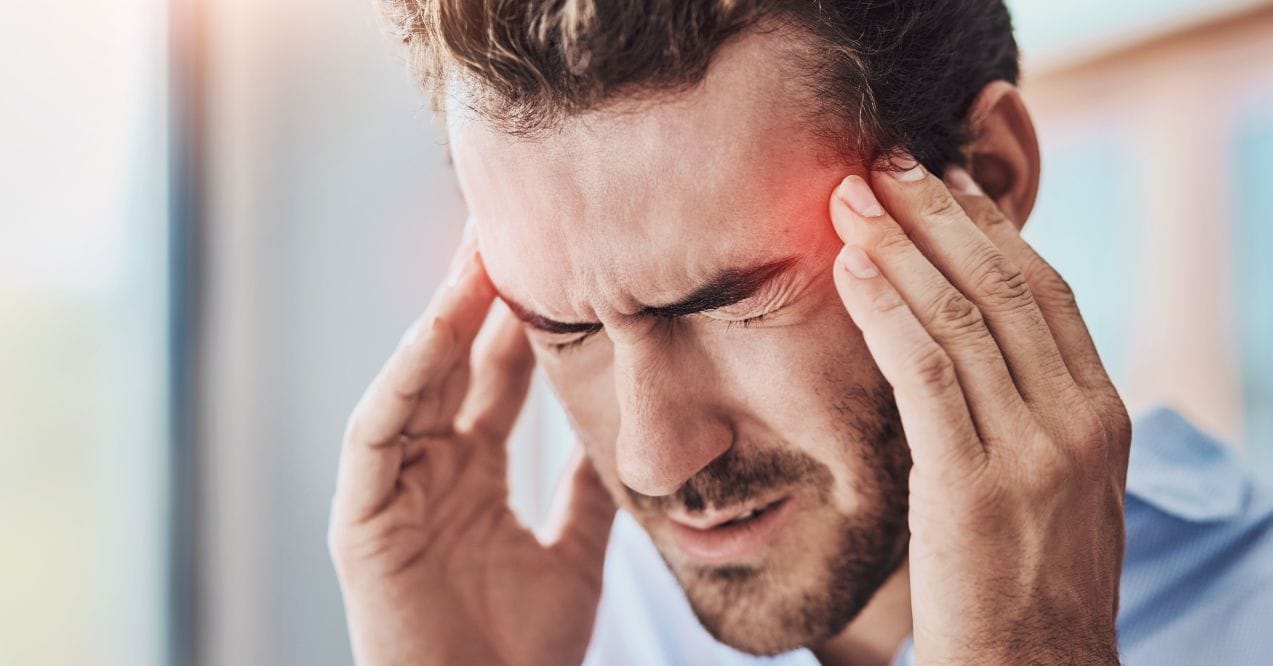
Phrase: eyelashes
(564, 347)
(746, 322)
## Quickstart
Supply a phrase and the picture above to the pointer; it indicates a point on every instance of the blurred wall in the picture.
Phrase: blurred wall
(1157, 177)
(83, 334)
(330, 216)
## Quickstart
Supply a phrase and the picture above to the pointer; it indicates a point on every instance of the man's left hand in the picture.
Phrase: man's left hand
(1018, 437)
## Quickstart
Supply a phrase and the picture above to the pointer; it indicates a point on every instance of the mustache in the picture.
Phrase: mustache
(735, 477)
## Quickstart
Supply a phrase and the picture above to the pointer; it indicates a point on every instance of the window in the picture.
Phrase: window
(84, 335)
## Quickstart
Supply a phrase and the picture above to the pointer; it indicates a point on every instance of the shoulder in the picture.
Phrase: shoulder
(1198, 569)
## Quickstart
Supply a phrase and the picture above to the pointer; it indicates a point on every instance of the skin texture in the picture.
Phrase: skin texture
(957, 348)
(602, 218)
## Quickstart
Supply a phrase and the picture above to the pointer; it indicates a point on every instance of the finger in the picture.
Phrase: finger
(935, 416)
(582, 512)
(502, 367)
(952, 320)
(1051, 292)
(429, 352)
(372, 451)
(924, 207)
(1060, 310)
(435, 417)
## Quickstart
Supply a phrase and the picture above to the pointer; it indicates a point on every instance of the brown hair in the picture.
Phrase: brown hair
(893, 75)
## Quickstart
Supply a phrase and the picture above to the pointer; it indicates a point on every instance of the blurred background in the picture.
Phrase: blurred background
(217, 216)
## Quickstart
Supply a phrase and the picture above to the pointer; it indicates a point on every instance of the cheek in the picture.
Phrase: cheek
(583, 381)
(791, 374)
(855, 402)
(814, 387)
(811, 385)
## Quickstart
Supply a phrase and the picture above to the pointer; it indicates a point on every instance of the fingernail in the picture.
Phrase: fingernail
(959, 180)
(856, 261)
(906, 168)
(857, 195)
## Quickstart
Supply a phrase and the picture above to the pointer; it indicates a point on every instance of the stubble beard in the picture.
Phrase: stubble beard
(782, 605)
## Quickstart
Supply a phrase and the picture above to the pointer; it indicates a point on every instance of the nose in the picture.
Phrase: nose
(668, 429)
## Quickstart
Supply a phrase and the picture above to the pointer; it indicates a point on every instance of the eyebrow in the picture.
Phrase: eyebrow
(726, 288)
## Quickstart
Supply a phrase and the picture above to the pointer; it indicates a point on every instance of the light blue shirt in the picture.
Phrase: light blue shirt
(1197, 582)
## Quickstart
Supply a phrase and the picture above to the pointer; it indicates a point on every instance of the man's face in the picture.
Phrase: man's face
(672, 258)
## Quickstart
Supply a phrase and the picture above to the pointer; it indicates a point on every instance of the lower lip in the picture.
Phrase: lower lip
(726, 543)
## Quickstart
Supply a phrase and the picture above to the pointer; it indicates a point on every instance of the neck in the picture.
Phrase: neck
(876, 634)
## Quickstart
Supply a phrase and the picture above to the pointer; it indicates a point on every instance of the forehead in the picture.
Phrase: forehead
(634, 203)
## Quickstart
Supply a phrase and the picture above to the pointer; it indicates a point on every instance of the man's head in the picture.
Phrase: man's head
(649, 182)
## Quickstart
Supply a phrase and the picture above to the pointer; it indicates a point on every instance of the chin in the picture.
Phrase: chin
(772, 621)
(777, 608)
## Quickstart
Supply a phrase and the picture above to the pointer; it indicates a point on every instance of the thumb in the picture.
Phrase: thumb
(582, 512)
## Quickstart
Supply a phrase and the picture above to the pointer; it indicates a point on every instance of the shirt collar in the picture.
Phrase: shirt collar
(1183, 472)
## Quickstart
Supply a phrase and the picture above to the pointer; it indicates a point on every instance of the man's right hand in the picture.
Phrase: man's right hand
(433, 565)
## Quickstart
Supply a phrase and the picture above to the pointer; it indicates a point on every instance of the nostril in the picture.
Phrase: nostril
(656, 457)
(646, 476)
(667, 428)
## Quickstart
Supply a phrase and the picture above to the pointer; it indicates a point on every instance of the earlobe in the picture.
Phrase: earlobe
(1003, 155)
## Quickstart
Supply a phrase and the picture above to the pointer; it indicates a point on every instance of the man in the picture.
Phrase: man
(768, 255)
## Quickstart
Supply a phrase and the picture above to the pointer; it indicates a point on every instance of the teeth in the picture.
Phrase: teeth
(746, 516)
(743, 517)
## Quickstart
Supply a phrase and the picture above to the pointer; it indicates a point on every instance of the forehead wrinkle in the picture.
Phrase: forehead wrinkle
(640, 207)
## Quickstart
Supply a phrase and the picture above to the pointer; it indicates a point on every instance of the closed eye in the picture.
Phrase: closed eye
(562, 347)
(746, 322)
(574, 343)
(564, 340)
(766, 303)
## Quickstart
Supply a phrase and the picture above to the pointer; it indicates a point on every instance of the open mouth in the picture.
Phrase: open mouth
(726, 536)
(753, 513)
(719, 517)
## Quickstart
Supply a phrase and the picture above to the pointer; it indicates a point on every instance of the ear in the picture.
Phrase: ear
(1003, 156)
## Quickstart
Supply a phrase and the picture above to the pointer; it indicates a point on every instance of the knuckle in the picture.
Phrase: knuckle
(361, 428)
(933, 368)
(954, 313)
(1002, 283)
(1054, 475)
(1091, 426)
(986, 214)
(892, 242)
(1113, 420)
(1121, 421)
(1053, 290)
(1084, 428)
(354, 427)
(337, 544)
(939, 204)
(887, 304)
